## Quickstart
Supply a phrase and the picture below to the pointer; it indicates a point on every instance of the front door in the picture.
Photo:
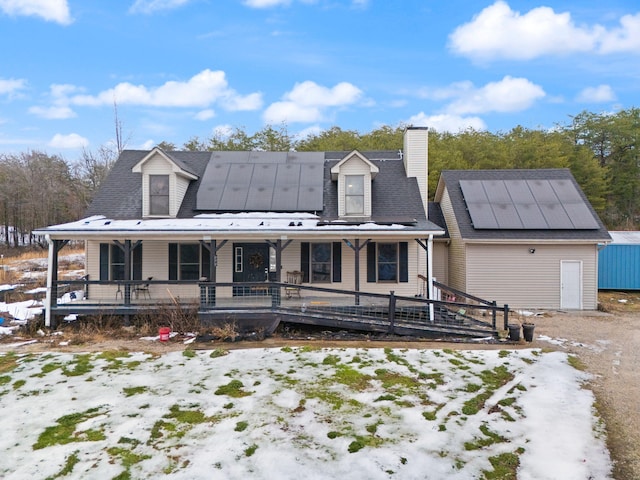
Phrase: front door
(250, 264)
(571, 284)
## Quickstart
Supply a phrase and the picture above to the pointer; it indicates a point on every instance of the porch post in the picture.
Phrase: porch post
(430, 276)
(357, 270)
(51, 271)
(356, 248)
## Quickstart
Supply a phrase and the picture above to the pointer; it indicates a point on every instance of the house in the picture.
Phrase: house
(217, 227)
(526, 238)
(619, 262)
(169, 221)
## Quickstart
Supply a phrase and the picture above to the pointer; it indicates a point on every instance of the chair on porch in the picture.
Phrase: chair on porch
(143, 289)
(294, 278)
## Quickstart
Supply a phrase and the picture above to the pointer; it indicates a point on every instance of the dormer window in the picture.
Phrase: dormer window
(354, 195)
(354, 174)
(159, 194)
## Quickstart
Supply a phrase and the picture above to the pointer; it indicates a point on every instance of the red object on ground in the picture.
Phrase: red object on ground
(164, 334)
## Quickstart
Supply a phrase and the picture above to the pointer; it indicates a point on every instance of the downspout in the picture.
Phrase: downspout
(430, 276)
(47, 308)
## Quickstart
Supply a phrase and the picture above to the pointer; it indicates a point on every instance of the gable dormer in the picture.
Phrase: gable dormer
(164, 183)
(354, 174)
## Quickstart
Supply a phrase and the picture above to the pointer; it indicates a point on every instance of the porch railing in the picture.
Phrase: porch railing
(306, 300)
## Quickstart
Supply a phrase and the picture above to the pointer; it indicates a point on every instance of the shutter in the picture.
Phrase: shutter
(304, 261)
(137, 263)
(337, 262)
(104, 262)
(403, 260)
(371, 262)
(173, 261)
(204, 262)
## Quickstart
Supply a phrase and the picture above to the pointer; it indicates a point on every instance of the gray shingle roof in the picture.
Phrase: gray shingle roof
(395, 198)
(452, 179)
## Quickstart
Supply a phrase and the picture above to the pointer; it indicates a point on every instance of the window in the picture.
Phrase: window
(354, 195)
(188, 261)
(159, 194)
(387, 262)
(320, 262)
(112, 261)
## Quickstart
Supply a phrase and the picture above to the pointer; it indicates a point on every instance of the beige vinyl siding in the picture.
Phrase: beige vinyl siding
(416, 148)
(181, 185)
(155, 264)
(177, 184)
(457, 252)
(441, 261)
(511, 275)
(354, 166)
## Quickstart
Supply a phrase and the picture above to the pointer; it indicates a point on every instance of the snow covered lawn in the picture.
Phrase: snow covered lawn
(299, 413)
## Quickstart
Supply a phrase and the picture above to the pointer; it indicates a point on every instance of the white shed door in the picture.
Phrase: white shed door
(571, 284)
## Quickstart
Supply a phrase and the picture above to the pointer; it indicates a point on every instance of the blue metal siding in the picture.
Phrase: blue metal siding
(619, 267)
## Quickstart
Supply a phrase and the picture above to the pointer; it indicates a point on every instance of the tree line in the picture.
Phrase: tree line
(600, 149)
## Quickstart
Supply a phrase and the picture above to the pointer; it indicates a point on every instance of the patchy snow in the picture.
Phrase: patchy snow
(302, 413)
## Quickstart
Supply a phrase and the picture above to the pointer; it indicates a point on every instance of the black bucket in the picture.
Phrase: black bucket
(514, 332)
(527, 331)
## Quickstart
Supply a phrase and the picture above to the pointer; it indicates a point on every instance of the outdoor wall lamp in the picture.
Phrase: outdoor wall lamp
(532, 250)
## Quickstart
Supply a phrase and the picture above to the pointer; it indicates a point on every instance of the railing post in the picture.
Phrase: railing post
(275, 296)
(506, 317)
(392, 311)
(494, 314)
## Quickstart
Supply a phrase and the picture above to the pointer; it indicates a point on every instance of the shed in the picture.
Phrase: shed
(619, 262)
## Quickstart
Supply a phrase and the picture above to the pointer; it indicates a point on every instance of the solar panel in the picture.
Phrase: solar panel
(526, 204)
(262, 181)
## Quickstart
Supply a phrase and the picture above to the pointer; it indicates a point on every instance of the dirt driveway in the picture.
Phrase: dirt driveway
(607, 344)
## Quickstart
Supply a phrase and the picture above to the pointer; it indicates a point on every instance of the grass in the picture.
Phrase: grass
(232, 389)
(65, 430)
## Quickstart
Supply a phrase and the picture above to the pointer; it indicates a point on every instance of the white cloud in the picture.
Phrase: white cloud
(49, 10)
(500, 32)
(507, 95)
(308, 102)
(53, 113)
(152, 6)
(11, 86)
(73, 140)
(205, 114)
(623, 39)
(601, 93)
(446, 122)
(201, 90)
(265, 3)
(148, 145)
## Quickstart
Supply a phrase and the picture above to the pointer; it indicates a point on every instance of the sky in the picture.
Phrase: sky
(178, 69)
(299, 413)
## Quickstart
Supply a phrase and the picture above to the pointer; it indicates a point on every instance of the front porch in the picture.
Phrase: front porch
(263, 305)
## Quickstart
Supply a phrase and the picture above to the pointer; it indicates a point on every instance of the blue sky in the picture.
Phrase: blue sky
(183, 68)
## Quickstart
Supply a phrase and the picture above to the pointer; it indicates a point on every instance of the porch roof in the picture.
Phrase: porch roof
(240, 225)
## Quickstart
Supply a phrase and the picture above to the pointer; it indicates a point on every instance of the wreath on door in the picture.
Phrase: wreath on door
(256, 260)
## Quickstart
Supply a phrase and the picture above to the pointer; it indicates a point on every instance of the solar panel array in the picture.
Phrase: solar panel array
(262, 181)
(552, 204)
